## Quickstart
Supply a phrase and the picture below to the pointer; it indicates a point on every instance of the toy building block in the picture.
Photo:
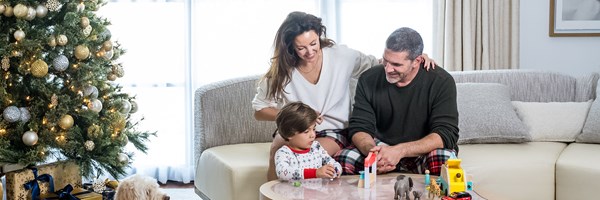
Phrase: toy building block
(370, 172)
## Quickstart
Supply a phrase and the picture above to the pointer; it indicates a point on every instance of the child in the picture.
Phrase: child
(302, 157)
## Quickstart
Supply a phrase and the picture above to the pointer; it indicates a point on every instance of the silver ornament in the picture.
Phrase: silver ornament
(80, 7)
(134, 107)
(98, 186)
(30, 13)
(30, 138)
(11, 114)
(87, 30)
(108, 54)
(41, 11)
(53, 5)
(123, 158)
(91, 91)
(125, 106)
(60, 63)
(95, 105)
(89, 145)
(2, 8)
(25, 115)
(19, 35)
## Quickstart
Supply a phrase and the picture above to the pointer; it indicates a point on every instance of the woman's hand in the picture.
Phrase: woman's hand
(429, 63)
(319, 118)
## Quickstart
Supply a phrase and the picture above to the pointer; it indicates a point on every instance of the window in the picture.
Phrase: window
(176, 46)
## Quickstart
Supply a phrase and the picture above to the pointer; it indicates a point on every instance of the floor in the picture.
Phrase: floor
(180, 191)
(177, 185)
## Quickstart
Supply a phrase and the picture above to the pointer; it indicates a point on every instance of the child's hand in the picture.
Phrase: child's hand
(327, 171)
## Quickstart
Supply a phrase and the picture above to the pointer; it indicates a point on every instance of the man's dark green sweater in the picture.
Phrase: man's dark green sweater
(402, 114)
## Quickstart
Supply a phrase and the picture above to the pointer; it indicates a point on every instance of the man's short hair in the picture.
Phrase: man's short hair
(405, 39)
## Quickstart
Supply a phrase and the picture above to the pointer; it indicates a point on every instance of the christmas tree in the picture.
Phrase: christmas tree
(57, 91)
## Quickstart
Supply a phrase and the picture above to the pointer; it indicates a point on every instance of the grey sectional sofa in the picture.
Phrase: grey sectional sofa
(520, 136)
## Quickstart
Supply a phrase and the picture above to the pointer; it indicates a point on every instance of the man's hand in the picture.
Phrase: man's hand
(387, 157)
(327, 171)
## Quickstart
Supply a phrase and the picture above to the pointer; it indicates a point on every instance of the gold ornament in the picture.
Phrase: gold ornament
(111, 183)
(52, 41)
(107, 45)
(20, 11)
(82, 52)
(84, 22)
(8, 11)
(5, 63)
(111, 77)
(66, 122)
(62, 40)
(94, 131)
(2, 8)
(39, 68)
(119, 123)
(54, 100)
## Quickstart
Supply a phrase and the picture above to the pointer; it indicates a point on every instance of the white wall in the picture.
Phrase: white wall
(572, 55)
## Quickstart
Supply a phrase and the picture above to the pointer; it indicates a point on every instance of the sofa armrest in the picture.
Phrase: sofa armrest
(223, 115)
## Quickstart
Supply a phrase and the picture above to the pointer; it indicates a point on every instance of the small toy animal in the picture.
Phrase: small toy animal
(140, 187)
(417, 194)
(434, 189)
(402, 187)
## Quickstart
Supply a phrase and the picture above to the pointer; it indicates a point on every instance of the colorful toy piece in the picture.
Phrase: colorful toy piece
(368, 177)
(427, 177)
(453, 177)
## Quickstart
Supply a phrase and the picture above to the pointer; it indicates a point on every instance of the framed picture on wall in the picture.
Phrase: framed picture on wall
(574, 18)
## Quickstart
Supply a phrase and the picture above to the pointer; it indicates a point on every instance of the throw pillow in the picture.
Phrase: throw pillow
(553, 121)
(487, 116)
(591, 129)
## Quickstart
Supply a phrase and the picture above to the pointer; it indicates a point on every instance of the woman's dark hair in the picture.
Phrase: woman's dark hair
(294, 117)
(284, 56)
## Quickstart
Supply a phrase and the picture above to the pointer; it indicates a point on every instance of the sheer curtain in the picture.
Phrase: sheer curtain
(176, 46)
(477, 34)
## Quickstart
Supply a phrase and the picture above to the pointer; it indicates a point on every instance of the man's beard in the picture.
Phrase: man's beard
(395, 79)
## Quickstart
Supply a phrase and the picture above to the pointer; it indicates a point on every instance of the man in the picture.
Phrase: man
(405, 114)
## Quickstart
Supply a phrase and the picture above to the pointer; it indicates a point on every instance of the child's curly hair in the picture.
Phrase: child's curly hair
(294, 117)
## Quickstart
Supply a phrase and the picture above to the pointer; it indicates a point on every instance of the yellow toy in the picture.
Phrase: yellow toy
(453, 177)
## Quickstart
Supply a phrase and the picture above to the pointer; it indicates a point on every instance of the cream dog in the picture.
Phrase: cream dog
(140, 187)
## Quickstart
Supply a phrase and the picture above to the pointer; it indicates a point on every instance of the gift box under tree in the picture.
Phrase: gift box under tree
(63, 173)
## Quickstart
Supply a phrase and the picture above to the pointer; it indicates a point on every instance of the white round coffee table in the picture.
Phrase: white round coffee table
(345, 187)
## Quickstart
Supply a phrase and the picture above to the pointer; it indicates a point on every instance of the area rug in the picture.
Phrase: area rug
(182, 194)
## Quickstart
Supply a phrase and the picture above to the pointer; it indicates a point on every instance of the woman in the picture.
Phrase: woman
(308, 67)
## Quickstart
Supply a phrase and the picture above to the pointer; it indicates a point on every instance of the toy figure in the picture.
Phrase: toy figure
(417, 194)
(434, 189)
(402, 187)
(426, 177)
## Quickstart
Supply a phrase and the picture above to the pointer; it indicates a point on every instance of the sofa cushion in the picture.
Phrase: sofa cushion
(512, 171)
(577, 171)
(487, 116)
(591, 129)
(553, 121)
(232, 171)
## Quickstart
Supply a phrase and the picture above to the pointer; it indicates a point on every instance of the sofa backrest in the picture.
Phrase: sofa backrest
(223, 115)
(535, 85)
(223, 112)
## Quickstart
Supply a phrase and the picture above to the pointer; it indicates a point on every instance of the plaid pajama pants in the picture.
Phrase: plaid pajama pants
(352, 160)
